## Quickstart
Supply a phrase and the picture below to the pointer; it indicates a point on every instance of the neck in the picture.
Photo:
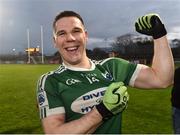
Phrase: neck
(83, 64)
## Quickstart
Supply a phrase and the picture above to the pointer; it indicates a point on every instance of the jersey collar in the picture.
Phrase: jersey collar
(80, 69)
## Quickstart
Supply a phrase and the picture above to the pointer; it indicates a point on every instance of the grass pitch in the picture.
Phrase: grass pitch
(19, 113)
(149, 111)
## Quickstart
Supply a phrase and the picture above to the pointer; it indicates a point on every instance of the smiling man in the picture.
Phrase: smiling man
(70, 38)
(86, 96)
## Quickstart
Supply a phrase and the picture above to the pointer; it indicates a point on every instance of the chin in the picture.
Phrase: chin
(73, 62)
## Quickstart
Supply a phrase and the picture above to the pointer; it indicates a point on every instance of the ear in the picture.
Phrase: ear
(54, 41)
(86, 33)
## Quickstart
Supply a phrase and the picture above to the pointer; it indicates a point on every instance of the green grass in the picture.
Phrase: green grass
(18, 111)
(148, 111)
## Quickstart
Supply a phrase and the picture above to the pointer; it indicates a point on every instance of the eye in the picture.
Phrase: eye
(60, 33)
(77, 30)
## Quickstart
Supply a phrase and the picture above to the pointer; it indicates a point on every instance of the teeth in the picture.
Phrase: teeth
(71, 48)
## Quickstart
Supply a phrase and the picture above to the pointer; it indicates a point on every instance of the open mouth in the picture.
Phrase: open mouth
(72, 49)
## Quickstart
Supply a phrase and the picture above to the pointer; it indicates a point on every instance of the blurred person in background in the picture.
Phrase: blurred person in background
(175, 100)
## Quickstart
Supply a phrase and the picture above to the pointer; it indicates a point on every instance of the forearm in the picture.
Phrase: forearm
(86, 124)
(163, 63)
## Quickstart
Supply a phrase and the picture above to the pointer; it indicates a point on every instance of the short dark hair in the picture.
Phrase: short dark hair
(67, 14)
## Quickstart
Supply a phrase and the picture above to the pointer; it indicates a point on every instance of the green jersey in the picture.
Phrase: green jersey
(75, 91)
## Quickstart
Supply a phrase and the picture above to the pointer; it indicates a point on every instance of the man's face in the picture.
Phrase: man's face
(70, 38)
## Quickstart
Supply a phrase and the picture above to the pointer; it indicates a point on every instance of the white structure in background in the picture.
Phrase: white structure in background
(42, 46)
(28, 41)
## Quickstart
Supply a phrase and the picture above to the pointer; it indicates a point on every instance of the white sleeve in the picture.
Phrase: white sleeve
(135, 74)
(43, 105)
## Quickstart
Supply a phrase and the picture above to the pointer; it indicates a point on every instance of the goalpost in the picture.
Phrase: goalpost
(29, 48)
(28, 41)
(42, 46)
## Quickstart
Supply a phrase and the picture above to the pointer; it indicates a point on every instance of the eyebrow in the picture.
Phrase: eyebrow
(75, 28)
(60, 31)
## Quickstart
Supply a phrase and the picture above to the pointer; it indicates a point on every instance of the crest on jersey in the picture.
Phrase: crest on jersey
(41, 98)
(107, 75)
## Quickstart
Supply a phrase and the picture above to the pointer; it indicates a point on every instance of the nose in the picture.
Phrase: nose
(70, 37)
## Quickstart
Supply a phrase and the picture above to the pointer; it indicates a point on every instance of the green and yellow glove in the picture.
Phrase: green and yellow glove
(114, 101)
(151, 25)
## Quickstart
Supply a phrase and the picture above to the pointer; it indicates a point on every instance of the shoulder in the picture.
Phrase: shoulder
(110, 60)
(46, 75)
(177, 71)
(177, 76)
(52, 74)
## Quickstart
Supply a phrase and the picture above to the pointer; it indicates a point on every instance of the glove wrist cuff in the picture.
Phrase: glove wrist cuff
(160, 32)
(105, 113)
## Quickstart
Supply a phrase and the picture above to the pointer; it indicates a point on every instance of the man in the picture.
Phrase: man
(86, 96)
(175, 100)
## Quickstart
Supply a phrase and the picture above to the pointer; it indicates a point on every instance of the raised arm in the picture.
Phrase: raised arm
(161, 73)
